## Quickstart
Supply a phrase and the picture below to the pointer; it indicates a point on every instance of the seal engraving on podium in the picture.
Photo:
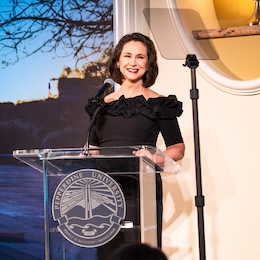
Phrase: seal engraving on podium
(89, 206)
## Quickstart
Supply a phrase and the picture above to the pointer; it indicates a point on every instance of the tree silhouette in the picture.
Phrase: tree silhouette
(76, 28)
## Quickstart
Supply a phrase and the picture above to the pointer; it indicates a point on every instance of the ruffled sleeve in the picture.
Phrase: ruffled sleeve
(92, 106)
(166, 107)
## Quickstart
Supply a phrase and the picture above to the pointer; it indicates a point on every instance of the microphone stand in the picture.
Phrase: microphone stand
(97, 101)
(91, 123)
(192, 63)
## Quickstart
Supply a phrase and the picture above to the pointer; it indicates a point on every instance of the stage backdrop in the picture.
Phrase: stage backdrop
(54, 57)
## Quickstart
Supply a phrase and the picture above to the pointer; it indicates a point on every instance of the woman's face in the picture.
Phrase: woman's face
(133, 61)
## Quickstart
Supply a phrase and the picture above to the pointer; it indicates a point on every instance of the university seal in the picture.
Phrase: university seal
(89, 206)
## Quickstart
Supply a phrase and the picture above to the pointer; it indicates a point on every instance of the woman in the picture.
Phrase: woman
(145, 112)
(134, 115)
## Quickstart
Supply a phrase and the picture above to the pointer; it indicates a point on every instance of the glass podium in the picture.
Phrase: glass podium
(97, 199)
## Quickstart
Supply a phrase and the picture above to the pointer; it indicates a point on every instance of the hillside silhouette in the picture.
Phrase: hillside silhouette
(49, 123)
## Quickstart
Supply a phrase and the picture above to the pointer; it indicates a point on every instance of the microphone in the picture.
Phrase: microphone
(107, 87)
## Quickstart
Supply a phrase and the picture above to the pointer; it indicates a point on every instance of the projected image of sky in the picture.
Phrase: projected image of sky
(27, 76)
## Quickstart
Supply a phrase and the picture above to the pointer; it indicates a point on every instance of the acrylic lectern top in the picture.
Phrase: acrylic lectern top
(35, 157)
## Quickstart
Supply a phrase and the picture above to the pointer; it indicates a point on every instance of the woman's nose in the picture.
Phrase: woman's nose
(132, 61)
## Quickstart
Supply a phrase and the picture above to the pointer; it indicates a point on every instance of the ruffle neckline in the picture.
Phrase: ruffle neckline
(162, 107)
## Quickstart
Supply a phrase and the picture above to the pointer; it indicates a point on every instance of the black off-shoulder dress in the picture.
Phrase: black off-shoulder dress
(136, 121)
(133, 122)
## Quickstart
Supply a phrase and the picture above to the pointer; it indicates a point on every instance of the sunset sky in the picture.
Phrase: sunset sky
(30, 77)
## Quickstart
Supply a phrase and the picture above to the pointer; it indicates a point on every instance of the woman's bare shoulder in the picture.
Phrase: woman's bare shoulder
(111, 97)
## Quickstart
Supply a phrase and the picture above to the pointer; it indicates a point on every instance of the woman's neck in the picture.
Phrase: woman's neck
(129, 89)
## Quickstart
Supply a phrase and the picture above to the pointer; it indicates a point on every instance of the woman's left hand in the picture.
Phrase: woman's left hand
(143, 152)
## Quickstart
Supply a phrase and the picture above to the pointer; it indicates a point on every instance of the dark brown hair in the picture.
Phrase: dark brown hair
(138, 251)
(152, 68)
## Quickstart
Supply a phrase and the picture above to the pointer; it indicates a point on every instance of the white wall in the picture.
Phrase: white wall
(229, 135)
(229, 140)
